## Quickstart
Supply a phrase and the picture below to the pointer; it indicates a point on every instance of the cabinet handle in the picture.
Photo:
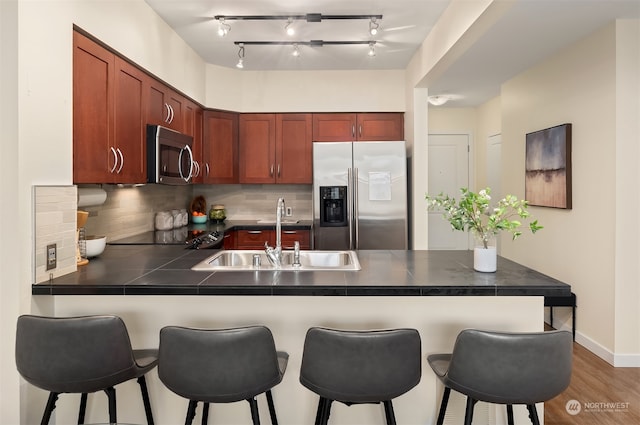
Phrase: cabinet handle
(171, 109)
(196, 167)
(289, 232)
(271, 171)
(278, 170)
(254, 232)
(206, 166)
(353, 131)
(115, 159)
(168, 108)
(121, 161)
(360, 130)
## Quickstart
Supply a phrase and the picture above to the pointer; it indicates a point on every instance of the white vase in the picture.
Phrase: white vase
(485, 259)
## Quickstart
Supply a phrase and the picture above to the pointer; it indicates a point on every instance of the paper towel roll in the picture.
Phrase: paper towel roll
(91, 197)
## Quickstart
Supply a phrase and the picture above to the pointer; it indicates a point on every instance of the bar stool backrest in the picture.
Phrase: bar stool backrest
(73, 355)
(361, 366)
(218, 365)
(511, 368)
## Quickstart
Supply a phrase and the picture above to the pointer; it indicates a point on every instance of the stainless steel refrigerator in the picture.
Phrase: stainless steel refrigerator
(359, 195)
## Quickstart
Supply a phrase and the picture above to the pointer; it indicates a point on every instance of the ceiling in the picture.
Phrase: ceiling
(529, 31)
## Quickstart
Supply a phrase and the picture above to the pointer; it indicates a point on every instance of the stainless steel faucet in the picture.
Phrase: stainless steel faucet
(275, 254)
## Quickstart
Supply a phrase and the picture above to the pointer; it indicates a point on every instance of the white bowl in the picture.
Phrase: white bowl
(95, 245)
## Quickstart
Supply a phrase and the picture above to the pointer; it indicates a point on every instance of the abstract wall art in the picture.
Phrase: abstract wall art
(548, 167)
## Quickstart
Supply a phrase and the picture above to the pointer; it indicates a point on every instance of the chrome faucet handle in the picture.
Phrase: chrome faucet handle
(296, 254)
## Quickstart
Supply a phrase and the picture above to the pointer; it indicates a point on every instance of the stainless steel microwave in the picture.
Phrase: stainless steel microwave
(169, 156)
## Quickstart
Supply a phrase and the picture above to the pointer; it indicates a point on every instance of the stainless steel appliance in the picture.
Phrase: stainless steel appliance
(359, 195)
(169, 156)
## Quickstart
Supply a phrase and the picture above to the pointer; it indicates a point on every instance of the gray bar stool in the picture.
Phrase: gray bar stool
(221, 366)
(80, 355)
(354, 367)
(505, 368)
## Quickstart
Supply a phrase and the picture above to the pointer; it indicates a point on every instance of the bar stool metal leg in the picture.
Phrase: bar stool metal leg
(145, 399)
(255, 416)
(205, 413)
(468, 414)
(272, 408)
(443, 405)
(510, 414)
(191, 412)
(533, 414)
(388, 412)
(51, 404)
(83, 408)
(111, 394)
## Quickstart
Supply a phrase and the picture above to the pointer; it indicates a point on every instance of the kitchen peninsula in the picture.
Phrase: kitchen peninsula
(436, 292)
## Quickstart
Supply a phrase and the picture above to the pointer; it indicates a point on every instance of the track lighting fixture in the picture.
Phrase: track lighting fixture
(289, 27)
(372, 49)
(240, 63)
(296, 51)
(309, 17)
(223, 27)
(373, 26)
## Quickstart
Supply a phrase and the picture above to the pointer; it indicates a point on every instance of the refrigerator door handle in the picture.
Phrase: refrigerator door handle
(356, 213)
(350, 214)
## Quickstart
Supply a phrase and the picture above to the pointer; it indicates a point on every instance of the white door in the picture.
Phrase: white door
(448, 172)
(494, 170)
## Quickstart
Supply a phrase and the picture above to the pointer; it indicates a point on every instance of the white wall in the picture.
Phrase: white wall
(305, 91)
(586, 246)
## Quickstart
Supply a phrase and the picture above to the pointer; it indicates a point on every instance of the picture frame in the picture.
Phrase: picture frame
(548, 167)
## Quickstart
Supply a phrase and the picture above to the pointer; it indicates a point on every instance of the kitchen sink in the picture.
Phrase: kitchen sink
(243, 260)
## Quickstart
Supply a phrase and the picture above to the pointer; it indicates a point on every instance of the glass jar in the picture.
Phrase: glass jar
(217, 213)
(164, 220)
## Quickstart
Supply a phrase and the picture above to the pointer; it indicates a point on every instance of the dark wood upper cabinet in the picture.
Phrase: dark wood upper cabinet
(275, 148)
(294, 160)
(220, 147)
(350, 127)
(108, 116)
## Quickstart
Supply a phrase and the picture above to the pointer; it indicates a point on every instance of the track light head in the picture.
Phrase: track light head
(223, 28)
(372, 49)
(296, 51)
(240, 63)
(289, 27)
(373, 26)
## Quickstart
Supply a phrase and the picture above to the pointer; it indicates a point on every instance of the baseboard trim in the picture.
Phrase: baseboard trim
(615, 360)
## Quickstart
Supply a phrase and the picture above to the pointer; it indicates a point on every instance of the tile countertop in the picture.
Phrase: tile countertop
(166, 270)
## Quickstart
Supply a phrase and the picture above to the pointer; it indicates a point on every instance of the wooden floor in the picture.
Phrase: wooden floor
(606, 395)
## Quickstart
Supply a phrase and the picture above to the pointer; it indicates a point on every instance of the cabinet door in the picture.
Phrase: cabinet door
(220, 146)
(165, 106)
(257, 148)
(93, 79)
(334, 127)
(293, 148)
(289, 238)
(229, 240)
(130, 126)
(254, 239)
(380, 126)
(192, 126)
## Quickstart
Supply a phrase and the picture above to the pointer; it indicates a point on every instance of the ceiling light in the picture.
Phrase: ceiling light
(223, 27)
(372, 49)
(373, 26)
(438, 100)
(289, 27)
(240, 63)
(296, 51)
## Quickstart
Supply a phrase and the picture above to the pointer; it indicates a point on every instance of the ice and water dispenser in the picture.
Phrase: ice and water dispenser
(333, 206)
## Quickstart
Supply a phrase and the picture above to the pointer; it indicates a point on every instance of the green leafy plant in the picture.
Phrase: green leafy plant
(473, 212)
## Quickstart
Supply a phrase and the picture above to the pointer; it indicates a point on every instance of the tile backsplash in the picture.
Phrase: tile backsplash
(128, 211)
(54, 223)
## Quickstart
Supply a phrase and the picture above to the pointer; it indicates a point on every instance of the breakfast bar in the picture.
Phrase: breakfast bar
(436, 292)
